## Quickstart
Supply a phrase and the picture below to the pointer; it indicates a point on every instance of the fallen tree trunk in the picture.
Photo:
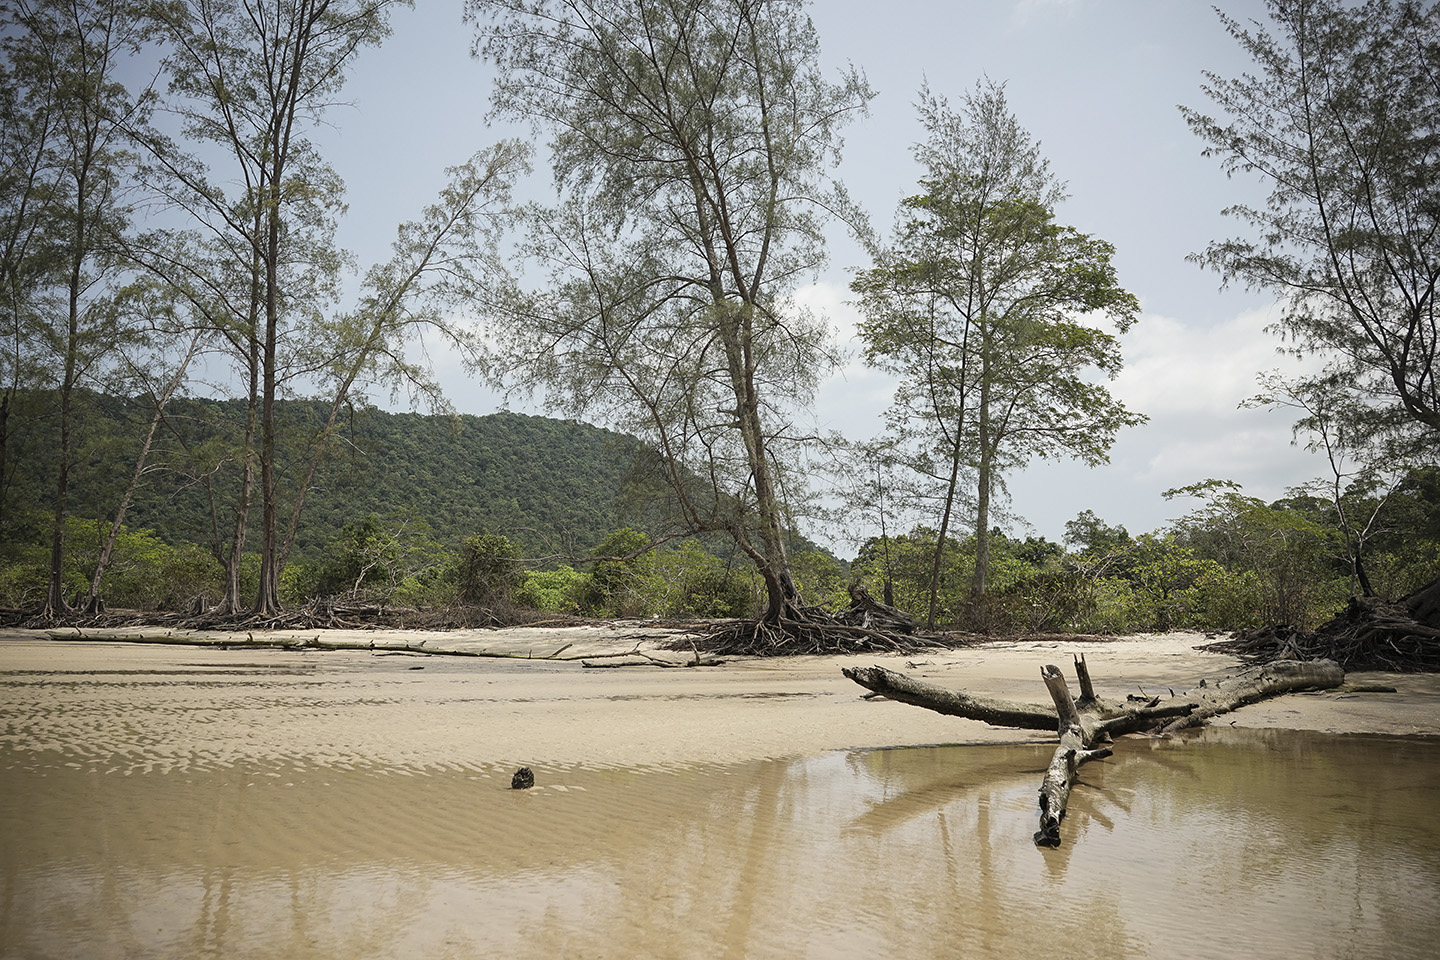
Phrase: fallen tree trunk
(1075, 749)
(1085, 727)
(954, 703)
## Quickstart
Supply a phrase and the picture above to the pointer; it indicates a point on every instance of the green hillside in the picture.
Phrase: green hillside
(552, 486)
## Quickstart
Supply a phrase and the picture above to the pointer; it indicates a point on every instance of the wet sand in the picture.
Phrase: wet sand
(133, 706)
(177, 801)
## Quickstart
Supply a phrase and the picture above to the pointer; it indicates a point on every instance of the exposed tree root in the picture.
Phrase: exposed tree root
(866, 626)
(1369, 634)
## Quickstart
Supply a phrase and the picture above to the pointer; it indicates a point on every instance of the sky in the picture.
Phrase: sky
(1096, 82)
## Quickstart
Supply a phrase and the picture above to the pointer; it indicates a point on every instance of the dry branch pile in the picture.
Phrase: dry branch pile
(1369, 634)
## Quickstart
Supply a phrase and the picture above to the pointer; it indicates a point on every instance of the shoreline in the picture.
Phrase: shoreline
(121, 706)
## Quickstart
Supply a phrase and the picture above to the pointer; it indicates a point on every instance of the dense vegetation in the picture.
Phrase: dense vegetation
(403, 512)
(1228, 563)
(552, 486)
(507, 511)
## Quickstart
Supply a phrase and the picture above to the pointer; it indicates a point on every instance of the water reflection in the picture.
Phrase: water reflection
(1236, 843)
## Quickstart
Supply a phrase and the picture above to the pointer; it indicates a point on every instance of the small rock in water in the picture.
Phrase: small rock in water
(523, 779)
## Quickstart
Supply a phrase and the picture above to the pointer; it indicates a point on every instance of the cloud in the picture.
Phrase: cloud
(1190, 380)
(1176, 367)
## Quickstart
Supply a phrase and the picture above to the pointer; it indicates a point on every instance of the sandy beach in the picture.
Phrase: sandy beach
(160, 706)
(162, 800)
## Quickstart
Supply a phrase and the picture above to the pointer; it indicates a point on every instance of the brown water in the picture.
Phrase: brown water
(1235, 844)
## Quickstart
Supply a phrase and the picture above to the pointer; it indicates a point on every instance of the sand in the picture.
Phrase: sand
(326, 804)
(128, 706)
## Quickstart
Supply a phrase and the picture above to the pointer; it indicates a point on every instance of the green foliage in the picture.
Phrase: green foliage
(1233, 562)
(488, 572)
(821, 578)
(1289, 551)
(693, 194)
(144, 573)
(550, 485)
(984, 306)
(559, 590)
(689, 581)
(617, 584)
(1339, 118)
(393, 559)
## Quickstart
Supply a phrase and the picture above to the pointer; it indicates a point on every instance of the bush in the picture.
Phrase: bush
(618, 581)
(391, 559)
(488, 571)
(690, 581)
(552, 591)
(143, 572)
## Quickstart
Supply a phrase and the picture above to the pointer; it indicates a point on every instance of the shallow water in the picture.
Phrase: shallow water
(1234, 843)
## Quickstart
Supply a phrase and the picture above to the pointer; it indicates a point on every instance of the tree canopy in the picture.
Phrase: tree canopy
(1340, 119)
(692, 144)
(985, 308)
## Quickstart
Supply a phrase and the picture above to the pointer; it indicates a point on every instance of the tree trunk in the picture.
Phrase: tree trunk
(267, 599)
(954, 703)
(1086, 727)
(1075, 749)
(5, 452)
(938, 559)
(782, 596)
(54, 595)
(982, 501)
(232, 559)
(1424, 604)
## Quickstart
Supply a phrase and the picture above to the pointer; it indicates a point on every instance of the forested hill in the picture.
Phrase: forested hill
(550, 485)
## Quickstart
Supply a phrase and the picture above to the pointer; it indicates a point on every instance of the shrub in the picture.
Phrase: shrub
(489, 571)
(552, 591)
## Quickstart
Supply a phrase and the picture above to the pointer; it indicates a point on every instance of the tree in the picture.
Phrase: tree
(1368, 461)
(446, 256)
(1341, 120)
(160, 369)
(489, 570)
(1099, 546)
(252, 79)
(980, 306)
(691, 143)
(27, 129)
(66, 209)
(1286, 549)
(261, 266)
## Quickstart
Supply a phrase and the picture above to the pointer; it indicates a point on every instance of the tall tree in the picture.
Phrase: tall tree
(64, 58)
(157, 370)
(985, 307)
(691, 142)
(1369, 459)
(27, 128)
(1341, 120)
(254, 77)
(437, 263)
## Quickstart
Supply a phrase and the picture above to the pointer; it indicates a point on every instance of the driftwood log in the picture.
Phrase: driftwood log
(1086, 726)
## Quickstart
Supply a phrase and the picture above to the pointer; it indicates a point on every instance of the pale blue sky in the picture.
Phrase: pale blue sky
(1097, 82)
